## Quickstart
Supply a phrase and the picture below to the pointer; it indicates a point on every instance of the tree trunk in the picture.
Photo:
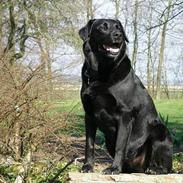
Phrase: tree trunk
(1, 26)
(154, 60)
(46, 64)
(126, 5)
(165, 83)
(149, 53)
(49, 69)
(42, 56)
(89, 9)
(10, 47)
(18, 140)
(161, 53)
(135, 43)
(117, 7)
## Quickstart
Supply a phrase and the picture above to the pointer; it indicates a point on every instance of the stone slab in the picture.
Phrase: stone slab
(75, 177)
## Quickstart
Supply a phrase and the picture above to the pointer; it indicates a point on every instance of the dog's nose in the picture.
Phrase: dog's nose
(117, 34)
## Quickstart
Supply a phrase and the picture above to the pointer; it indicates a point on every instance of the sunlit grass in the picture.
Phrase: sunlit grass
(171, 109)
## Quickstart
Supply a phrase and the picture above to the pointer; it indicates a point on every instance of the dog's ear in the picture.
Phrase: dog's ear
(85, 31)
(124, 34)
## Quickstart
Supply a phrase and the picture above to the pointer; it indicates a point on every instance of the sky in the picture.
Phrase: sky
(174, 42)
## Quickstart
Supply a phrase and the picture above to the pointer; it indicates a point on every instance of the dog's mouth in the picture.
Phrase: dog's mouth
(112, 49)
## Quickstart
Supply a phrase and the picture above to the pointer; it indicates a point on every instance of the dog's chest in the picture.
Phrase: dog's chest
(104, 108)
(104, 101)
(101, 103)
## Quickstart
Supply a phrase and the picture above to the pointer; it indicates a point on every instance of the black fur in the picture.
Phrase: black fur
(116, 102)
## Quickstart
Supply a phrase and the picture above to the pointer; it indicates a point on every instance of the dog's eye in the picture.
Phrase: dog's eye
(117, 26)
(105, 26)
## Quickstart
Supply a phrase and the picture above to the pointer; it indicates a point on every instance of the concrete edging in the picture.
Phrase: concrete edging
(75, 177)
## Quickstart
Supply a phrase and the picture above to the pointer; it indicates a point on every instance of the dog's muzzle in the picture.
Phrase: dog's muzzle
(110, 49)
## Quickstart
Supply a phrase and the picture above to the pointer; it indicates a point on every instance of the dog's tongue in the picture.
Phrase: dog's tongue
(112, 49)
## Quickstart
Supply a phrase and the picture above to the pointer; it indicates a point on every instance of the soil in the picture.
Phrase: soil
(65, 149)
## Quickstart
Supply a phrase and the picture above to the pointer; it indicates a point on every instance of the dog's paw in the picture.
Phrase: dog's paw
(150, 171)
(112, 170)
(156, 170)
(87, 168)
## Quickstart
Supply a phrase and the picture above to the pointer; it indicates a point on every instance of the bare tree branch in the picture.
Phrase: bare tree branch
(23, 38)
(11, 36)
(171, 18)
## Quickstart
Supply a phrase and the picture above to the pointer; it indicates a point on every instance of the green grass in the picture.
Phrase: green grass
(169, 109)
(69, 106)
(173, 111)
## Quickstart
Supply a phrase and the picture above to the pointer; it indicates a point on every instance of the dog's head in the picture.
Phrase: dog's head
(106, 36)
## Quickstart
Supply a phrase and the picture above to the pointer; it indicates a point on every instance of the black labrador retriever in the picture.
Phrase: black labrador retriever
(116, 102)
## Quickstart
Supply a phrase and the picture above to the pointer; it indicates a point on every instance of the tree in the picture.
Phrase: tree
(89, 9)
(161, 52)
(135, 33)
(117, 8)
(177, 7)
(17, 35)
(25, 25)
(149, 52)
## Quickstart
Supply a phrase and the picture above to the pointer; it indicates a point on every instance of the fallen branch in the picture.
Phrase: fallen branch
(61, 170)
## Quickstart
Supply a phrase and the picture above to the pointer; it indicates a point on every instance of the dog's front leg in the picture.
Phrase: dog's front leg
(90, 127)
(123, 134)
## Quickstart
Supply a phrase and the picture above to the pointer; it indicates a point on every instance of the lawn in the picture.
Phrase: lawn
(170, 110)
